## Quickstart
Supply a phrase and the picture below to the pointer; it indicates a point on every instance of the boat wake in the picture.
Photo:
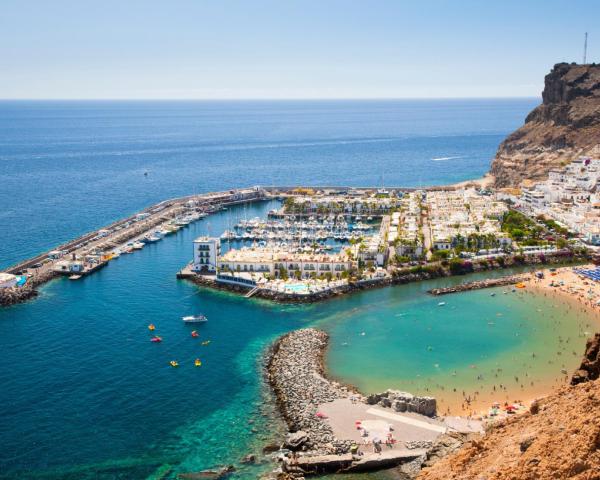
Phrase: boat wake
(444, 159)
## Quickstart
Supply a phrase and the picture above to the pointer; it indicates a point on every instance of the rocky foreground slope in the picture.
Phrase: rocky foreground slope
(566, 125)
(558, 439)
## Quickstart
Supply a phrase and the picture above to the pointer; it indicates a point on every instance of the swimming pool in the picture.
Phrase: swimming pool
(297, 288)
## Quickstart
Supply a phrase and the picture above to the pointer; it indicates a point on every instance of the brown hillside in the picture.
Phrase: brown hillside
(561, 441)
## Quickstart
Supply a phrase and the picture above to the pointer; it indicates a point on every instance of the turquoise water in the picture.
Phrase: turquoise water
(489, 348)
(85, 394)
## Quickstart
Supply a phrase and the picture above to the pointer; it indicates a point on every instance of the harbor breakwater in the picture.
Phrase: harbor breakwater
(478, 285)
(296, 374)
(40, 269)
(295, 371)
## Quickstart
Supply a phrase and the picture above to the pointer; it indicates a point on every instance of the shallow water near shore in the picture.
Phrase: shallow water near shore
(85, 395)
(481, 346)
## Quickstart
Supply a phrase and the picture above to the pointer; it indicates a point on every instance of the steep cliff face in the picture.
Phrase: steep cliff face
(566, 125)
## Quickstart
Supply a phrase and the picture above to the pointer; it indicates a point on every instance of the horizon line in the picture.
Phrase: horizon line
(259, 99)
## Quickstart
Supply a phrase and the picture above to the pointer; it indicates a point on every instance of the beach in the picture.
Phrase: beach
(564, 288)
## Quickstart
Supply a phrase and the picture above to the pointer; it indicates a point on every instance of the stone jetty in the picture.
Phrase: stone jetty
(333, 428)
(477, 285)
(14, 295)
(296, 374)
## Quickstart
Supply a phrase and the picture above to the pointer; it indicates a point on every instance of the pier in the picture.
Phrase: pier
(88, 253)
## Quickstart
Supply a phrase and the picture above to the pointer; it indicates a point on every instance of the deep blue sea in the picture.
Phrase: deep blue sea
(84, 394)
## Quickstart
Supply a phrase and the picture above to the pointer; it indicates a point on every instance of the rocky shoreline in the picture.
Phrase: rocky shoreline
(398, 276)
(295, 372)
(478, 285)
(14, 295)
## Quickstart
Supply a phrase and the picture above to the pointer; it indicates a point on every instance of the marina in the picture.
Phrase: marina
(99, 372)
(93, 251)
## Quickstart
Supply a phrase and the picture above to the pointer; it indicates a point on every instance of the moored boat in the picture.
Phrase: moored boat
(195, 319)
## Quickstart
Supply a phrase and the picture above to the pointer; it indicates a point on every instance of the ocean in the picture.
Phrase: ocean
(85, 394)
(69, 167)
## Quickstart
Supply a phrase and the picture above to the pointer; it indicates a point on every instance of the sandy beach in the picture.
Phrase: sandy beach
(566, 284)
(562, 287)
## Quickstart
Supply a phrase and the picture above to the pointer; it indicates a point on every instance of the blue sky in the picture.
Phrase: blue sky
(289, 49)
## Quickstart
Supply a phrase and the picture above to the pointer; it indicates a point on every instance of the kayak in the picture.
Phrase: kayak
(195, 334)
(156, 339)
(174, 363)
(151, 326)
(197, 362)
(205, 342)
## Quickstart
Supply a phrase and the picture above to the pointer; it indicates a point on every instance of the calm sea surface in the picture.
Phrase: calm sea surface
(84, 392)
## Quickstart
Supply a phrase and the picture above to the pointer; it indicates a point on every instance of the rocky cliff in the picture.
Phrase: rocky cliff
(566, 125)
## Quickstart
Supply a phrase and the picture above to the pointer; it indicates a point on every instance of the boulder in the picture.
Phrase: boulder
(295, 441)
(374, 399)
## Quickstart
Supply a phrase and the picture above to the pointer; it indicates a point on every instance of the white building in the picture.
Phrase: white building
(206, 252)
(273, 262)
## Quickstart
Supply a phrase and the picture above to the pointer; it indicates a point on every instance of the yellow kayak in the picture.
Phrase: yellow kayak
(151, 326)
(205, 342)
(197, 362)
(174, 363)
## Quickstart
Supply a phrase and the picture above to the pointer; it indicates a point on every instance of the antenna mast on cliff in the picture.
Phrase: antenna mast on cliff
(585, 48)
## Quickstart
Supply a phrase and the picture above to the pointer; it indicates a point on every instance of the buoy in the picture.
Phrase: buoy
(151, 326)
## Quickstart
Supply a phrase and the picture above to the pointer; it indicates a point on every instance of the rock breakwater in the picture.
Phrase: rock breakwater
(296, 374)
(489, 283)
(14, 295)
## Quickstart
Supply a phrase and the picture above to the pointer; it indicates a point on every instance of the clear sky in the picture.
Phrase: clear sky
(288, 49)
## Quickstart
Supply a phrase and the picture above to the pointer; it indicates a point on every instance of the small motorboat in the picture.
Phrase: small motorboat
(197, 362)
(156, 339)
(492, 294)
(195, 319)
(174, 363)
(205, 342)
(137, 245)
(195, 334)
(151, 327)
(441, 304)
